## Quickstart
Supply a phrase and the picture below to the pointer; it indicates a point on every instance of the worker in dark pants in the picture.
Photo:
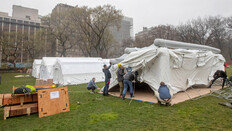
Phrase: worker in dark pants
(107, 79)
(128, 78)
(0, 79)
(219, 74)
(120, 74)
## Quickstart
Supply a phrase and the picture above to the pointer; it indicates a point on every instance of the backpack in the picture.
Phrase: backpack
(22, 90)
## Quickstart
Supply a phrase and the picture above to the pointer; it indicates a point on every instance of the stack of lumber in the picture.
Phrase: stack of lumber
(19, 104)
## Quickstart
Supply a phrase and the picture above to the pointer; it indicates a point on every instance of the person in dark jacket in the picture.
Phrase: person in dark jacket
(92, 86)
(120, 74)
(164, 95)
(107, 79)
(219, 74)
(128, 78)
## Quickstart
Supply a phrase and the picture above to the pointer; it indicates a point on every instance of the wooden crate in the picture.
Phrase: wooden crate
(53, 101)
(40, 82)
(9, 99)
(18, 110)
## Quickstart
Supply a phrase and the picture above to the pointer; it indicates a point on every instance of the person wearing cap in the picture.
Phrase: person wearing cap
(107, 79)
(120, 74)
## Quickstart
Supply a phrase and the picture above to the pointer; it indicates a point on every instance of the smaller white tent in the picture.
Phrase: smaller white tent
(72, 71)
(46, 68)
(36, 68)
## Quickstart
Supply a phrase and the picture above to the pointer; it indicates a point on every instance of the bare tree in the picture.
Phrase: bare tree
(11, 47)
(92, 27)
(35, 47)
(149, 35)
(58, 25)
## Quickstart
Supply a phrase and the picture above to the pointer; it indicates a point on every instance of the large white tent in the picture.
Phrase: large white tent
(178, 68)
(46, 68)
(36, 68)
(72, 71)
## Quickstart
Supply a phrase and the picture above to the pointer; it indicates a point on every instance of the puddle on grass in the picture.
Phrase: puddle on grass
(94, 118)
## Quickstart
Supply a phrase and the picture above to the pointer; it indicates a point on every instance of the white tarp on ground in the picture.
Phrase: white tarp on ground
(178, 68)
(36, 68)
(46, 68)
(72, 71)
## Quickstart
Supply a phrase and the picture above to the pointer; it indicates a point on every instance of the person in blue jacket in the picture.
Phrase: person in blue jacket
(92, 86)
(163, 94)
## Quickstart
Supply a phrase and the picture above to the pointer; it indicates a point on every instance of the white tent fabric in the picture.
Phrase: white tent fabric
(183, 45)
(36, 68)
(46, 68)
(178, 68)
(72, 71)
(128, 51)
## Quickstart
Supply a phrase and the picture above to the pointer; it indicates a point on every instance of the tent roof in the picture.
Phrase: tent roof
(49, 61)
(37, 61)
(82, 65)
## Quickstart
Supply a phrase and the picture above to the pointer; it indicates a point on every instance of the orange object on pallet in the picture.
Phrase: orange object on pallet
(53, 101)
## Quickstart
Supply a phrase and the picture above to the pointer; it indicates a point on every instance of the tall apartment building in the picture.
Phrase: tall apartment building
(23, 19)
(75, 51)
(125, 32)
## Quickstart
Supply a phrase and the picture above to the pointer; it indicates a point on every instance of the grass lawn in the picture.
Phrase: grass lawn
(110, 113)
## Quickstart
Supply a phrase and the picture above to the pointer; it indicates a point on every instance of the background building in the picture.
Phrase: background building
(23, 19)
(119, 35)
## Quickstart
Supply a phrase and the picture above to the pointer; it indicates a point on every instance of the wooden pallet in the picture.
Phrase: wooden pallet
(9, 99)
(18, 110)
(53, 101)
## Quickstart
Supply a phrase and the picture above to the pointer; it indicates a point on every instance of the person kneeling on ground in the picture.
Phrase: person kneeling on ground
(128, 78)
(163, 95)
(92, 86)
(219, 74)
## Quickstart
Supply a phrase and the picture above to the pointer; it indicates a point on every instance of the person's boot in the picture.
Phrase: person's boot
(167, 104)
(159, 102)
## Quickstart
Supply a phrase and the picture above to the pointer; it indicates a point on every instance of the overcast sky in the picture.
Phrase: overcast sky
(145, 13)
